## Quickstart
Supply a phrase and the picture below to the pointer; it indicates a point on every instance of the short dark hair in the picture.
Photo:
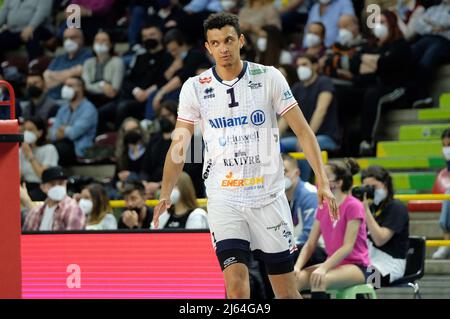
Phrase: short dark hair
(220, 20)
(81, 81)
(324, 29)
(132, 186)
(445, 133)
(41, 125)
(174, 35)
(312, 58)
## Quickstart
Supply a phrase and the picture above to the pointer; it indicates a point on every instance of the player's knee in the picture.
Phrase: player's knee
(302, 280)
(238, 288)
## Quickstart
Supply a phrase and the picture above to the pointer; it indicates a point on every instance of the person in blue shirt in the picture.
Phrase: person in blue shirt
(75, 124)
(328, 12)
(68, 64)
(302, 197)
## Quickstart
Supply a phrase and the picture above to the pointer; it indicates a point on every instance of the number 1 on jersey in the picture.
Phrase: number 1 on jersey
(233, 98)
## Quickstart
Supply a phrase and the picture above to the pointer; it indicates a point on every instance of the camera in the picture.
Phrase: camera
(359, 191)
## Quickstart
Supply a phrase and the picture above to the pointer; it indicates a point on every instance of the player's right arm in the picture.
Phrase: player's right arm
(173, 166)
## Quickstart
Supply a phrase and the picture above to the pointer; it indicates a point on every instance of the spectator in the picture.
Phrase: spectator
(390, 67)
(257, 13)
(67, 65)
(189, 58)
(433, 48)
(184, 212)
(136, 215)
(444, 180)
(25, 22)
(328, 12)
(169, 15)
(38, 102)
(95, 14)
(75, 124)
(59, 211)
(35, 156)
(271, 47)
(294, 14)
(197, 11)
(388, 226)
(150, 71)
(315, 94)
(302, 197)
(290, 73)
(345, 239)
(337, 61)
(407, 24)
(95, 204)
(4, 96)
(103, 74)
(314, 40)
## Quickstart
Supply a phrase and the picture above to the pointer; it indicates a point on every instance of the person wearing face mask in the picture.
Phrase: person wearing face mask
(59, 212)
(68, 64)
(313, 42)
(442, 185)
(94, 203)
(384, 70)
(136, 214)
(345, 239)
(190, 59)
(38, 102)
(387, 224)
(329, 12)
(302, 197)
(148, 72)
(103, 74)
(75, 125)
(184, 212)
(35, 156)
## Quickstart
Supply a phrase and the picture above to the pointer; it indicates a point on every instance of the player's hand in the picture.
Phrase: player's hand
(318, 278)
(27, 34)
(325, 194)
(163, 205)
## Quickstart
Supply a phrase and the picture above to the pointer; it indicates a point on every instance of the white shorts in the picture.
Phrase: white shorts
(268, 231)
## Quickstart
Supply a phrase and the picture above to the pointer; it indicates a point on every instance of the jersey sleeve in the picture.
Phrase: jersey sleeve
(283, 99)
(189, 107)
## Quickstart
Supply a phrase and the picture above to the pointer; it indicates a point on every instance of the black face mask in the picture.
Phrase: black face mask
(135, 209)
(166, 125)
(151, 44)
(34, 91)
(132, 137)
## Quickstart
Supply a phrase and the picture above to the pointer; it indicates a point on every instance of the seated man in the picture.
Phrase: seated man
(75, 124)
(26, 22)
(59, 211)
(68, 64)
(313, 41)
(38, 103)
(136, 214)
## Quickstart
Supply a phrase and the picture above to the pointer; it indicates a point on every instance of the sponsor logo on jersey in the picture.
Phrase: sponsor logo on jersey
(205, 80)
(239, 139)
(257, 71)
(241, 158)
(277, 227)
(229, 181)
(254, 86)
(207, 170)
(209, 93)
(258, 117)
(287, 95)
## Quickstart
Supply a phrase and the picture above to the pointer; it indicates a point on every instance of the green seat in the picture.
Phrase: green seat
(353, 291)
(444, 101)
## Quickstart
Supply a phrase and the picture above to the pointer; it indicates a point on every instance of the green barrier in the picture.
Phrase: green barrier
(408, 181)
(444, 101)
(437, 114)
(409, 148)
(417, 162)
(422, 132)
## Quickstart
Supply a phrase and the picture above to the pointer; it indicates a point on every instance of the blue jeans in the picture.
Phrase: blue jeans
(444, 220)
(289, 144)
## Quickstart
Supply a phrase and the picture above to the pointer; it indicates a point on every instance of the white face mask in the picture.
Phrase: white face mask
(70, 46)
(29, 137)
(57, 193)
(86, 205)
(163, 14)
(261, 44)
(312, 40)
(446, 152)
(380, 195)
(101, 48)
(227, 5)
(380, 31)
(304, 73)
(345, 37)
(67, 93)
(287, 183)
(175, 196)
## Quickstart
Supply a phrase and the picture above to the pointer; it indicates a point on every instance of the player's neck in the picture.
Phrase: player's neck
(229, 73)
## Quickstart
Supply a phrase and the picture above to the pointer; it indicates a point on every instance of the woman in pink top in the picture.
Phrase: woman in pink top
(345, 239)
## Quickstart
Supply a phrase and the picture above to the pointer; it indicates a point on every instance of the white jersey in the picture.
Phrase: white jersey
(238, 118)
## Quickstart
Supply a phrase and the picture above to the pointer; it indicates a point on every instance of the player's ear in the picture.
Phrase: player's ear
(241, 41)
(208, 48)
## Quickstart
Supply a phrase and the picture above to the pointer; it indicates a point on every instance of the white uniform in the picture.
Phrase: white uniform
(243, 170)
